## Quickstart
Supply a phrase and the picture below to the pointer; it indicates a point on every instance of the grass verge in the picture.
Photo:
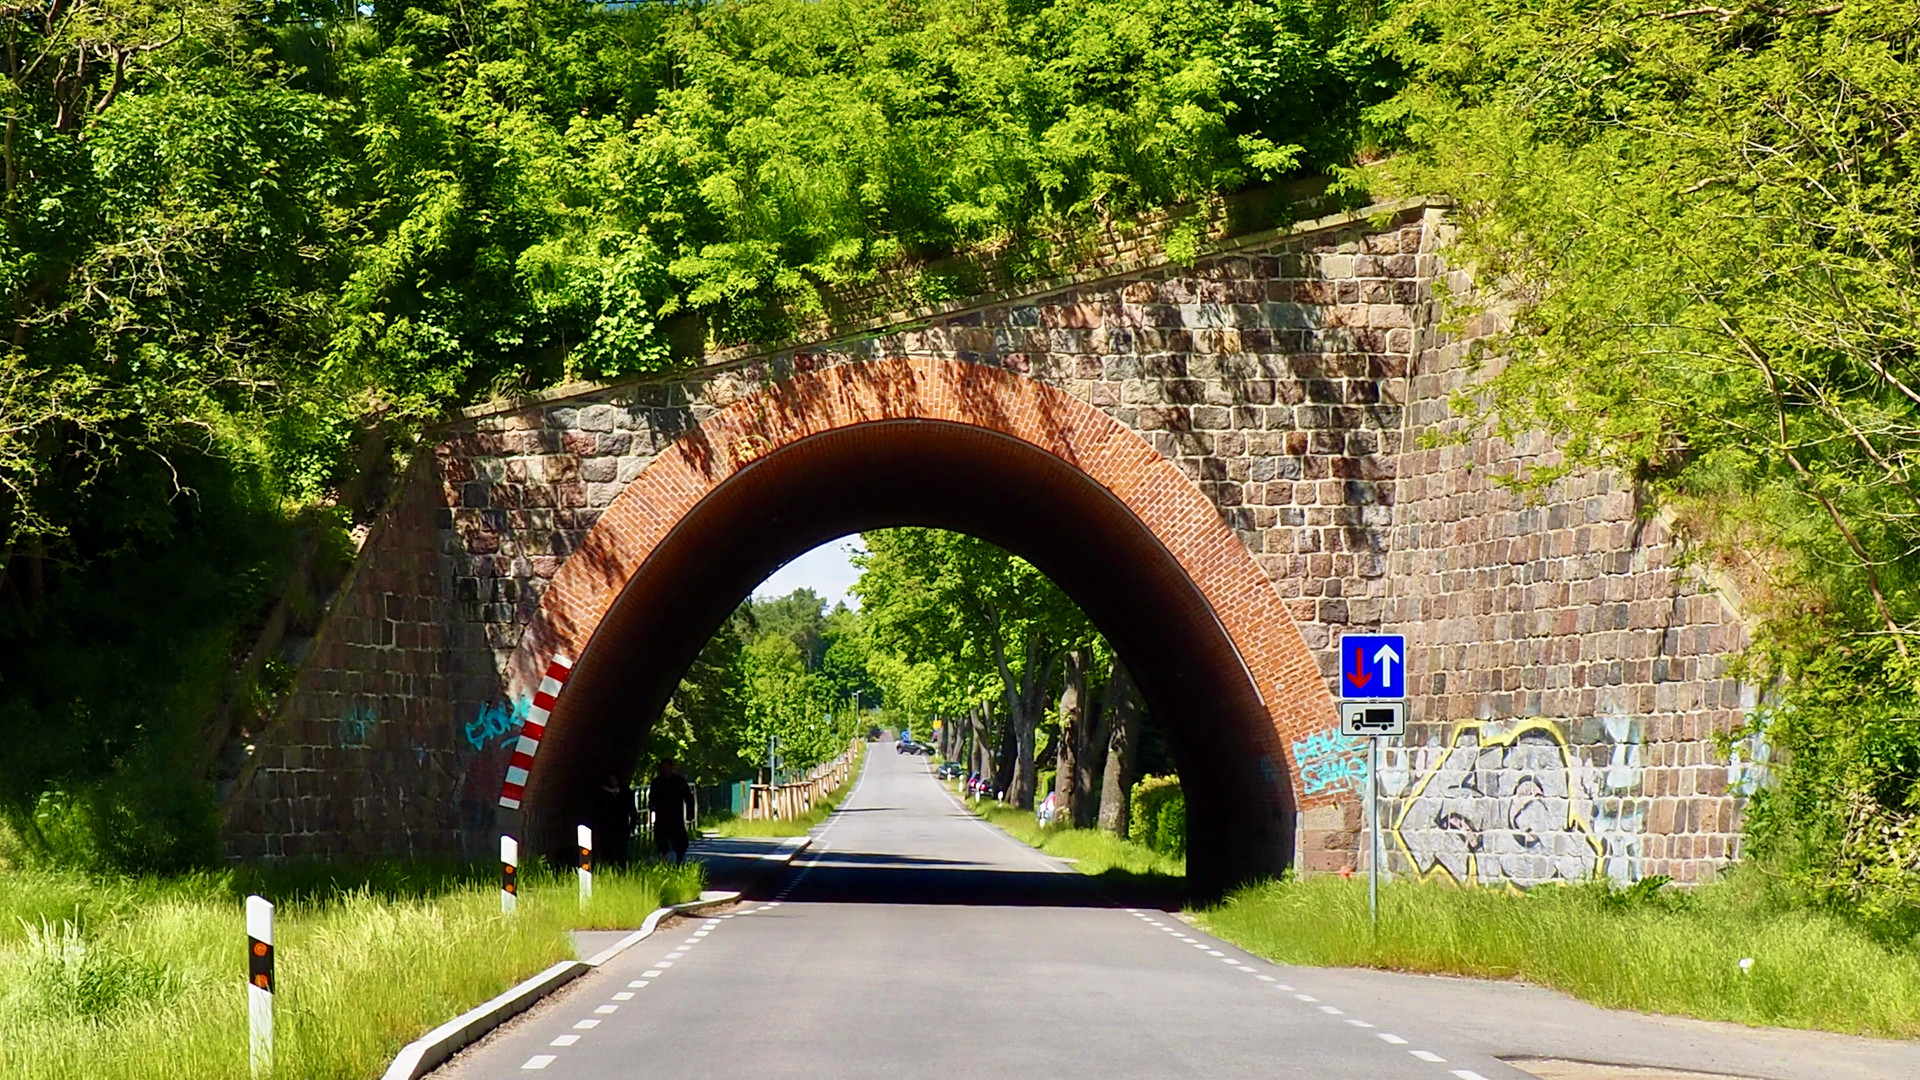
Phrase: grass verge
(800, 826)
(1135, 873)
(1652, 950)
(144, 979)
(1095, 852)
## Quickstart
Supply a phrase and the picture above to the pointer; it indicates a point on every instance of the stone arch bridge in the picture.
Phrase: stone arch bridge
(1226, 464)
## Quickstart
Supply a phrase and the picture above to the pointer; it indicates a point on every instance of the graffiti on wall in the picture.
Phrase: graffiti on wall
(1514, 802)
(356, 728)
(496, 724)
(1329, 761)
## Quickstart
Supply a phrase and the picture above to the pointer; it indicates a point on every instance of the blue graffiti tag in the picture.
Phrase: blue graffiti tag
(356, 728)
(1330, 761)
(497, 721)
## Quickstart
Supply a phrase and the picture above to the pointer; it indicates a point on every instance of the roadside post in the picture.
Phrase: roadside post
(585, 836)
(1373, 691)
(260, 985)
(509, 874)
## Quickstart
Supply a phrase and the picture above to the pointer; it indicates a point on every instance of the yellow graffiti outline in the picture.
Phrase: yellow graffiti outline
(1552, 728)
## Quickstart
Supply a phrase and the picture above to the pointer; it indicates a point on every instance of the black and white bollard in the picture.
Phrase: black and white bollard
(260, 984)
(509, 873)
(586, 864)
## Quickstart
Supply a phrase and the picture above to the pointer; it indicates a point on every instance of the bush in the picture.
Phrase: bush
(1159, 815)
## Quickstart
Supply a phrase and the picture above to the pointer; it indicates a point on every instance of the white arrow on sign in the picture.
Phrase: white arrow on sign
(1386, 658)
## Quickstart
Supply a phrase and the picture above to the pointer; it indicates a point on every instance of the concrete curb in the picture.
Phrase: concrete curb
(431, 1050)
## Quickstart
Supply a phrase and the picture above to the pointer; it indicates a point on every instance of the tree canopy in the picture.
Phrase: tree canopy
(250, 247)
(1700, 223)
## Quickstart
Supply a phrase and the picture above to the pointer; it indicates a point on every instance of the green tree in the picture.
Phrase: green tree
(251, 249)
(931, 595)
(1699, 224)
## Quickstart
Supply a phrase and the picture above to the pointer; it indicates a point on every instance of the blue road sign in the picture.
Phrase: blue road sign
(1373, 666)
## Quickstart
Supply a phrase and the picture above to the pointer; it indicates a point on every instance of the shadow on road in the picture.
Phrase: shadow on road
(863, 878)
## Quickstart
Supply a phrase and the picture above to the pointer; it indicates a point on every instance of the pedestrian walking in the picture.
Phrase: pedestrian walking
(671, 800)
(613, 821)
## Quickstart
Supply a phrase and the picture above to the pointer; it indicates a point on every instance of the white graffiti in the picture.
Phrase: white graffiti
(1512, 802)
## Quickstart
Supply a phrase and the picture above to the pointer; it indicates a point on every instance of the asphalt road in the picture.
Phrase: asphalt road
(913, 940)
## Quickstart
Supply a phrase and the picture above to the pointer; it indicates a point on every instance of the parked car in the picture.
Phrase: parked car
(948, 770)
(905, 746)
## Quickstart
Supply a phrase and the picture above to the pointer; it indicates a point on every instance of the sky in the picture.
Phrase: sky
(826, 570)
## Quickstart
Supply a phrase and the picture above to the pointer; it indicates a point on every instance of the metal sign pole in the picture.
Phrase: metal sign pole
(1373, 832)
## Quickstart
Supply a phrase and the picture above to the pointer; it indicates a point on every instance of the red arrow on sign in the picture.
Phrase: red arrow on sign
(1360, 666)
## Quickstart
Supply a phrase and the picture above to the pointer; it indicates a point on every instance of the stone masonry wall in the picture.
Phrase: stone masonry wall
(1566, 675)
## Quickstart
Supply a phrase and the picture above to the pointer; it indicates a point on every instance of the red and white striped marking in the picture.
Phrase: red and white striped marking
(532, 730)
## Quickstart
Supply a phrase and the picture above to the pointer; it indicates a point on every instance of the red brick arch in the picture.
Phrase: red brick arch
(895, 404)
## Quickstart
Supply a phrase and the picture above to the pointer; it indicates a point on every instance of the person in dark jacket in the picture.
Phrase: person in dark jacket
(613, 821)
(671, 800)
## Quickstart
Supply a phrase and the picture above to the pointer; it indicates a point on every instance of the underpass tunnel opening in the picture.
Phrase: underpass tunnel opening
(965, 479)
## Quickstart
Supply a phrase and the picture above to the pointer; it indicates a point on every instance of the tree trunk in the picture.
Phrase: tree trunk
(1004, 762)
(1074, 723)
(1027, 699)
(982, 763)
(1092, 757)
(1123, 712)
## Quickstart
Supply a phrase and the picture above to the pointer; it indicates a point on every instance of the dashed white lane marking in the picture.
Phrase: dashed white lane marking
(652, 973)
(565, 1040)
(1360, 1023)
(624, 995)
(1264, 978)
(607, 1010)
(1388, 1037)
(1282, 986)
(1466, 1074)
(1187, 939)
(695, 939)
(1215, 952)
(638, 984)
(1427, 1055)
(1331, 1011)
(585, 1025)
(538, 1061)
(663, 963)
(1305, 997)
